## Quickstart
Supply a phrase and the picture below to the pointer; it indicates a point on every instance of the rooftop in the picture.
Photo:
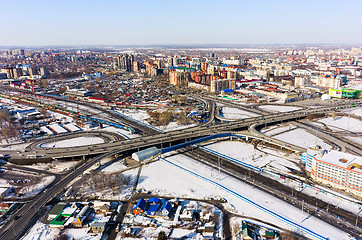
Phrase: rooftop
(344, 160)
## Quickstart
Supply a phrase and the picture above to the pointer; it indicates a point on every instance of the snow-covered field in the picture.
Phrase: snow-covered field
(296, 136)
(246, 153)
(343, 124)
(15, 147)
(159, 177)
(138, 114)
(354, 111)
(235, 113)
(114, 167)
(33, 190)
(74, 142)
(278, 108)
(41, 231)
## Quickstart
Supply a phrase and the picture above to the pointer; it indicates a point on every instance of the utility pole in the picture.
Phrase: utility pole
(357, 216)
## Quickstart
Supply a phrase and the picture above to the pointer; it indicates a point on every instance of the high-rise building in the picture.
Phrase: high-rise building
(204, 66)
(136, 66)
(43, 71)
(123, 62)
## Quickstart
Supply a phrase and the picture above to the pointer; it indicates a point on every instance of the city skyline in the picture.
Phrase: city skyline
(67, 23)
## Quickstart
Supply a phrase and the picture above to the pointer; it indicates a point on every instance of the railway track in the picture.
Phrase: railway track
(316, 207)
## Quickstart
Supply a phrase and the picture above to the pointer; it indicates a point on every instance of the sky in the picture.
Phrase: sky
(162, 22)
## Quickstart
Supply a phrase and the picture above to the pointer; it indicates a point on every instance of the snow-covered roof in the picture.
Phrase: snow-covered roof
(344, 160)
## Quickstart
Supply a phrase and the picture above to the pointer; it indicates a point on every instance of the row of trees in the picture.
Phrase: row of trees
(165, 117)
(100, 182)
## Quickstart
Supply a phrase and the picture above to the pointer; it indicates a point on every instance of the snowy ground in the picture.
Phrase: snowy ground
(246, 153)
(138, 114)
(114, 167)
(235, 113)
(159, 177)
(81, 234)
(278, 108)
(74, 142)
(33, 190)
(15, 147)
(173, 126)
(354, 111)
(343, 124)
(357, 140)
(296, 136)
(41, 231)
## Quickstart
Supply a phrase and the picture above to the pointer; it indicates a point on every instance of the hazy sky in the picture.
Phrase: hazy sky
(138, 22)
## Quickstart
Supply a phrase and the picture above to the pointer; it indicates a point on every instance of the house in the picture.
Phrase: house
(98, 227)
(246, 233)
(152, 210)
(4, 207)
(187, 215)
(104, 209)
(78, 222)
(154, 200)
(139, 207)
(166, 209)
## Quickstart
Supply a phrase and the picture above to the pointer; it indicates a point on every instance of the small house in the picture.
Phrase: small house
(166, 209)
(78, 222)
(139, 207)
(98, 227)
(152, 210)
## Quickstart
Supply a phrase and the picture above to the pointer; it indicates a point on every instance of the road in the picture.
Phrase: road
(100, 151)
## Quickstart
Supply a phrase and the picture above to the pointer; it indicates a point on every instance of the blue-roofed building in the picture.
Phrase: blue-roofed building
(139, 207)
(154, 200)
(152, 210)
(166, 209)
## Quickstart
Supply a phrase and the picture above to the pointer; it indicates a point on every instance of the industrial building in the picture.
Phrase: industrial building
(345, 93)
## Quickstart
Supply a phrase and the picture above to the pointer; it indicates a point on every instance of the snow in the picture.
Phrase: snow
(297, 136)
(41, 231)
(114, 167)
(120, 131)
(72, 127)
(159, 177)
(74, 142)
(137, 114)
(247, 153)
(354, 111)
(33, 190)
(60, 116)
(235, 113)
(343, 124)
(15, 147)
(183, 233)
(57, 128)
(174, 126)
(279, 108)
(354, 139)
(81, 234)
(46, 130)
